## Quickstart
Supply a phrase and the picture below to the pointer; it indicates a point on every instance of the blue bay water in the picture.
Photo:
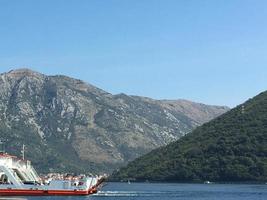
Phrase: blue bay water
(158, 191)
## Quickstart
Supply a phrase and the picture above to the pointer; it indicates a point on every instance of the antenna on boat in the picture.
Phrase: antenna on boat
(23, 152)
(2, 147)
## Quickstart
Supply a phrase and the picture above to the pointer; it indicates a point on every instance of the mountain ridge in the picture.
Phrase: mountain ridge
(74, 122)
(229, 148)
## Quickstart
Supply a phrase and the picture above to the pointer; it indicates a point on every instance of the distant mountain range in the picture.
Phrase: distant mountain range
(230, 148)
(69, 125)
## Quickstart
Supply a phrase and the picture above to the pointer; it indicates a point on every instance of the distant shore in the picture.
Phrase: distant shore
(192, 182)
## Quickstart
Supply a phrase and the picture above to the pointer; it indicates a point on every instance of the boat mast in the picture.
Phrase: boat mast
(2, 147)
(23, 152)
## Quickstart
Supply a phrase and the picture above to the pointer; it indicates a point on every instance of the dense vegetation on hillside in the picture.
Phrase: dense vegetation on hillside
(233, 147)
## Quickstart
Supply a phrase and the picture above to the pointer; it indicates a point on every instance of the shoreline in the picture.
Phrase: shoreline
(211, 183)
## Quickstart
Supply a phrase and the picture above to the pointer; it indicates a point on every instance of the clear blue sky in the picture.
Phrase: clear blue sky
(210, 51)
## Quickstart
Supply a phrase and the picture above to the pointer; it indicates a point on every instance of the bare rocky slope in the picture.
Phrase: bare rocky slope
(70, 125)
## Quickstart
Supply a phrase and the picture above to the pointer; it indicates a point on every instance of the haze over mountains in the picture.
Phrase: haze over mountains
(70, 125)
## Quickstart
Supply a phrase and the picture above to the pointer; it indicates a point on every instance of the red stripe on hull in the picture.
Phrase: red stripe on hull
(28, 192)
(22, 192)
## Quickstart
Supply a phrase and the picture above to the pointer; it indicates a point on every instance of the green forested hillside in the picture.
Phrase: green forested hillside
(232, 147)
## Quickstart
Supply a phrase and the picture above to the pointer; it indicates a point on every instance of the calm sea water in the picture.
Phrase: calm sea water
(157, 191)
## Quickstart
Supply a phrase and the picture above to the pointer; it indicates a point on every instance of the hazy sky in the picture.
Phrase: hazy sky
(210, 51)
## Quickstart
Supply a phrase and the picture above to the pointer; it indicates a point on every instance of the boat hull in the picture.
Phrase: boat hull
(27, 192)
(50, 192)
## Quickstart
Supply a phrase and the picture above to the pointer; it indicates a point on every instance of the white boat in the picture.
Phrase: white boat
(207, 182)
(19, 178)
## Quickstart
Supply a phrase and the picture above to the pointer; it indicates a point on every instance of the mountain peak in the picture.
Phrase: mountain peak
(81, 126)
(23, 72)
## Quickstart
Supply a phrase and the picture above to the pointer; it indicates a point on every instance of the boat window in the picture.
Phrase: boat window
(19, 175)
(3, 179)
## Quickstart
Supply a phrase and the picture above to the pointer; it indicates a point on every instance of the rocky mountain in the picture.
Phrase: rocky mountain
(230, 148)
(69, 125)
